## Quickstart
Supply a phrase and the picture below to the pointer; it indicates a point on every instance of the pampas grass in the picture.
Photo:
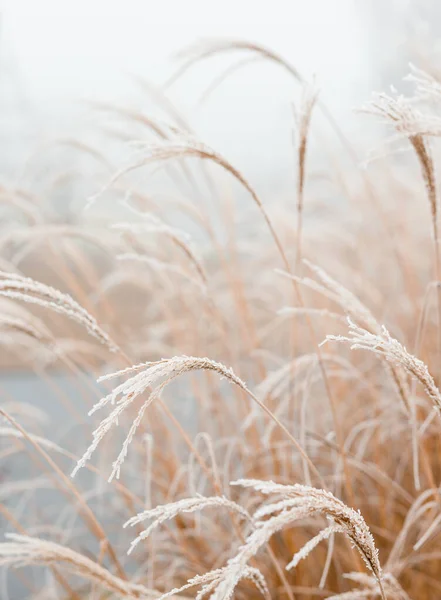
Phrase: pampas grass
(299, 502)
(316, 472)
(135, 386)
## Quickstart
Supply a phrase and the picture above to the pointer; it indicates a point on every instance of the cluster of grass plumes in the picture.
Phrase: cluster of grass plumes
(224, 450)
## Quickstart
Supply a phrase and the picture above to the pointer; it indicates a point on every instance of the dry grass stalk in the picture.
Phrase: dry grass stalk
(23, 550)
(299, 502)
(16, 287)
(179, 238)
(191, 147)
(128, 391)
(160, 514)
(407, 121)
(393, 351)
(209, 582)
(211, 47)
(151, 373)
(303, 123)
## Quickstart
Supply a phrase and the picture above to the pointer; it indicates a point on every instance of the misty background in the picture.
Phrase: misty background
(55, 57)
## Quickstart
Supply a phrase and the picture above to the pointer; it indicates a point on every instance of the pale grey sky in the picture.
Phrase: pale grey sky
(58, 52)
(66, 50)
(63, 51)
(63, 45)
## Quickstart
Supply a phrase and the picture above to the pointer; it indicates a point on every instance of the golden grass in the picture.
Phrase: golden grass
(316, 474)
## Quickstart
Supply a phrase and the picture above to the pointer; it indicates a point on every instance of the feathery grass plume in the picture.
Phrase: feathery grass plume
(151, 372)
(318, 501)
(22, 550)
(410, 123)
(303, 123)
(384, 345)
(406, 120)
(427, 86)
(299, 502)
(17, 287)
(402, 114)
(207, 580)
(163, 513)
(212, 579)
(309, 546)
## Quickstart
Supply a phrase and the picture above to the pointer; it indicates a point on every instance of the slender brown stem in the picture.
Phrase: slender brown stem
(87, 511)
